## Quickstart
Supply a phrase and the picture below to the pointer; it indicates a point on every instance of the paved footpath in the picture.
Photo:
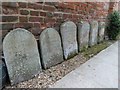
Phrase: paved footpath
(101, 71)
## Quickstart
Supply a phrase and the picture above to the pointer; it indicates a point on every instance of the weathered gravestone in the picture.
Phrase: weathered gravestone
(101, 31)
(21, 55)
(69, 39)
(93, 33)
(0, 43)
(3, 74)
(51, 50)
(83, 35)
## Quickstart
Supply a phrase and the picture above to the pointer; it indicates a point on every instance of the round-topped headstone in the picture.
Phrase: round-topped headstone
(68, 32)
(93, 33)
(101, 31)
(83, 34)
(51, 50)
(3, 74)
(21, 55)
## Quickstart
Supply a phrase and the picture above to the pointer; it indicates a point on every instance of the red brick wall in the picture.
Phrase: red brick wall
(111, 5)
(37, 16)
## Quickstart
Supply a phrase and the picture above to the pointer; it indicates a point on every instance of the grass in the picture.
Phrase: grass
(91, 51)
(118, 37)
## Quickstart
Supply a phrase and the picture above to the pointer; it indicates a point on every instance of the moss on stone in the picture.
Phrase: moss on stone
(118, 37)
(83, 48)
(91, 51)
(72, 54)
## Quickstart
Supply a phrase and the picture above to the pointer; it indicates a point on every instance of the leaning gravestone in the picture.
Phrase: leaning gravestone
(51, 50)
(3, 74)
(101, 31)
(68, 33)
(83, 34)
(93, 33)
(21, 55)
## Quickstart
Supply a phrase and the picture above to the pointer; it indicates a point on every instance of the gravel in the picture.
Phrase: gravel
(48, 77)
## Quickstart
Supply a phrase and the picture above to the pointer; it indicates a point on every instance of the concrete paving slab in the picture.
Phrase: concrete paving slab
(101, 71)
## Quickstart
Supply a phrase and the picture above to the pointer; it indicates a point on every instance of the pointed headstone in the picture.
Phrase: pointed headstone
(21, 55)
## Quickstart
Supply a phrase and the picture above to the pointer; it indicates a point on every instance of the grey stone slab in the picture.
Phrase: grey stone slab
(21, 55)
(83, 35)
(101, 31)
(51, 49)
(93, 33)
(0, 43)
(68, 32)
(3, 74)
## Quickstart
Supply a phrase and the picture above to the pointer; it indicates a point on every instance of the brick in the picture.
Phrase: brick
(92, 11)
(23, 19)
(4, 33)
(35, 19)
(31, 5)
(48, 8)
(10, 4)
(24, 12)
(35, 31)
(42, 13)
(49, 20)
(41, 2)
(49, 14)
(34, 6)
(6, 26)
(0, 32)
(68, 11)
(84, 4)
(9, 18)
(38, 6)
(22, 4)
(51, 3)
(18, 25)
(34, 13)
(0, 10)
(6, 10)
(37, 25)
(70, 15)
(75, 16)
(61, 5)
(53, 12)
(50, 24)
(59, 21)
(58, 15)
(65, 16)
(70, 6)
(23, 25)
(43, 26)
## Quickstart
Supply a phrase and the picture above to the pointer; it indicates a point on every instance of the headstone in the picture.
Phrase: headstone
(69, 39)
(0, 43)
(83, 35)
(3, 74)
(101, 31)
(51, 49)
(21, 55)
(93, 33)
